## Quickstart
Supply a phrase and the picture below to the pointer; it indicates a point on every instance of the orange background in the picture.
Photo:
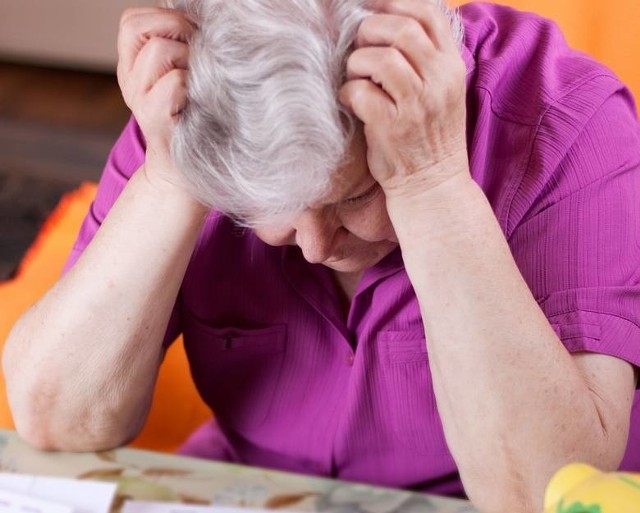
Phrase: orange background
(608, 31)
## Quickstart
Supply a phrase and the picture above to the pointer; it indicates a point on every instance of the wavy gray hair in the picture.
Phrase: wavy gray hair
(263, 130)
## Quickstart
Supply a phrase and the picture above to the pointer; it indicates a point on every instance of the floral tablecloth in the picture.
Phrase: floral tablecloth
(144, 475)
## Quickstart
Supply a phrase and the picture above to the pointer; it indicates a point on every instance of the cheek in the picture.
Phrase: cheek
(372, 223)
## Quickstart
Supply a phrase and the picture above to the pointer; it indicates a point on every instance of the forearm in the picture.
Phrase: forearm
(81, 364)
(513, 404)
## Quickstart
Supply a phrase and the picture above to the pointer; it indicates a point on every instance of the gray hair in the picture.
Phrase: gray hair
(263, 130)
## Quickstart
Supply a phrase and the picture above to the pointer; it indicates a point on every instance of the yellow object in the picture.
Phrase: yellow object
(580, 488)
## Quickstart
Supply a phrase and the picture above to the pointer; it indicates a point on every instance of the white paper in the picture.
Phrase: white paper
(163, 507)
(11, 502)
(81, 496)
(166, 507)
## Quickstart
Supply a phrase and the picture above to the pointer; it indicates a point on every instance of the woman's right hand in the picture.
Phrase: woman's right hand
(153, 48)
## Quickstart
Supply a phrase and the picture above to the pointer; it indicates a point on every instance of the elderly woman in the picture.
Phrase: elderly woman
(395, 257)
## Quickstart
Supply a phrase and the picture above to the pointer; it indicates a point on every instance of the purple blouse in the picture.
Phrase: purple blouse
(554, 142)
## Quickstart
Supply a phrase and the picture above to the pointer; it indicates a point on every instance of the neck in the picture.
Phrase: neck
(346, 284)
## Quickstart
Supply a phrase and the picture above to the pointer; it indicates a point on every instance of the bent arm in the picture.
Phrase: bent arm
(515, 405)
(81, 364)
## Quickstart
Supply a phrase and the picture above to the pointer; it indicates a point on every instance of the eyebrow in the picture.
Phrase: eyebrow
(353, 192)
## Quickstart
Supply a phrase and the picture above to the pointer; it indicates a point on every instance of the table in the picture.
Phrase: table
(145, 475)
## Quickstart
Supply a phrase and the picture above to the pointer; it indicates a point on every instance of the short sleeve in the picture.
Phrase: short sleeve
(578, 245)
(125, 158)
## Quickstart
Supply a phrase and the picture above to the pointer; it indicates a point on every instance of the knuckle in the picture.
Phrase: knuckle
(390, 58)
(177, 78)
(352, 61)
(126, 16)
(155, 48)
(410, 29)
(357, 94)
(178, 23)
(129, 15)
(130, 26)
(175, 23)
(365, 26)
(186, 24)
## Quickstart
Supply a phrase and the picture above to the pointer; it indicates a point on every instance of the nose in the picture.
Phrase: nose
(316, 234)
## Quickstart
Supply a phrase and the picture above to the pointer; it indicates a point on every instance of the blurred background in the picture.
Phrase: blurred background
(60, 108)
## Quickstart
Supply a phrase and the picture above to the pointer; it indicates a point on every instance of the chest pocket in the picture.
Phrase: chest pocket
(407, 392)
(236, 370)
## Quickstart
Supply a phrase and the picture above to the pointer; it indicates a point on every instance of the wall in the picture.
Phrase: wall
(82, 33)
(74, 33)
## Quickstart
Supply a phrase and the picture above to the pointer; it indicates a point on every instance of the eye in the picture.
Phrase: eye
(369, 194)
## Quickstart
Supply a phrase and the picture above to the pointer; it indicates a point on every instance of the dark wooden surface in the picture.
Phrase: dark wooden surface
(56, 129)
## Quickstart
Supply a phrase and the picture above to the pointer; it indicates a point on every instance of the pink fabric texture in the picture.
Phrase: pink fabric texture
(554, 142)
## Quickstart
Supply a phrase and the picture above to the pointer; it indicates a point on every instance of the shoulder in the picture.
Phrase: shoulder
(523, 62)
(545, 120)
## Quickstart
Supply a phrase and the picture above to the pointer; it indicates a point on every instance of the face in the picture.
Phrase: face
(349, 230)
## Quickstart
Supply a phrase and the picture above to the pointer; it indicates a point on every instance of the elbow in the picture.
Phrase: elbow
(35, 436)
(48, 418)
(519, 482)
(20, 386)
(512, 494)
(506, 483)
(33, 424)
(48, 423)
(55, 407)
(36, 425)
(43, 439)
(517, 489)
(56, 431)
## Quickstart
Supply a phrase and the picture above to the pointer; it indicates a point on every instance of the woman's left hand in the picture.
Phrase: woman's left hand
(406, 83)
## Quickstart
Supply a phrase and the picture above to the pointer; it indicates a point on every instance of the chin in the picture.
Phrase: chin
(348, 265)
(359, 261)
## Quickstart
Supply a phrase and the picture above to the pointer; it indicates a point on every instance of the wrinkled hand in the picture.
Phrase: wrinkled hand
(406, 83)
(152, 72)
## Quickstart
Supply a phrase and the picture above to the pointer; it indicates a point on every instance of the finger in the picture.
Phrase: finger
(367, 101)
(401, 32)
(427, 13)
(387, 68)
(134, 11)
(157, 58)
(169, 94)
(139, 26)
(131, 14)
